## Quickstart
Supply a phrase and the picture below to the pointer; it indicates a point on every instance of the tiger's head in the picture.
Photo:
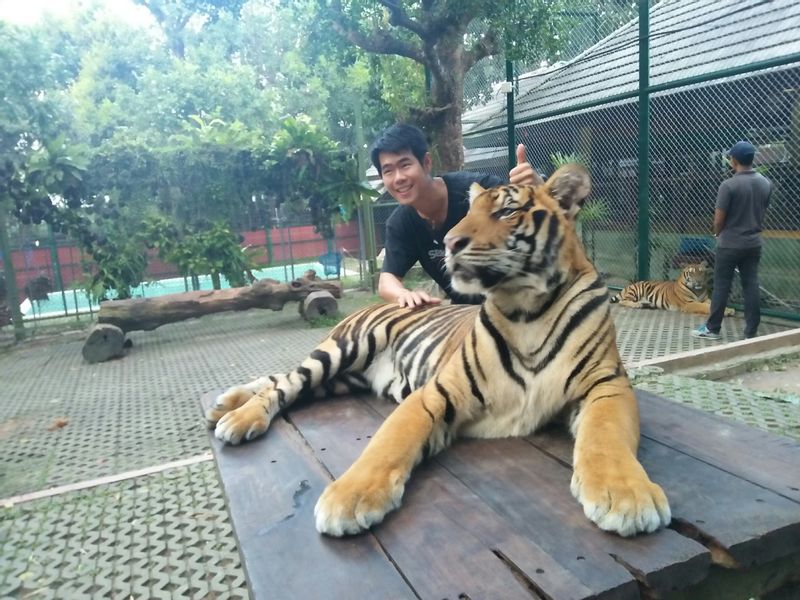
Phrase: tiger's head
(519, 236)
(695, 277)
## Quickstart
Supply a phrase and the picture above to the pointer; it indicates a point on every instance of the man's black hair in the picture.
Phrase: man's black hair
(399, 138)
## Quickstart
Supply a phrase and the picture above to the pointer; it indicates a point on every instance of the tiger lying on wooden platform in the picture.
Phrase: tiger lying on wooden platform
(541, 347)
(688, 293)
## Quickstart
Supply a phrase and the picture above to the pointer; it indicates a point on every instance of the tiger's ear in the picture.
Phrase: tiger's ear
(703, 265)
(475, 190)
(570, 185)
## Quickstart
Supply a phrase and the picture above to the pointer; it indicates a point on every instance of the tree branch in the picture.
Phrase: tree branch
(399, 18)
(379, 42)
(487, 45)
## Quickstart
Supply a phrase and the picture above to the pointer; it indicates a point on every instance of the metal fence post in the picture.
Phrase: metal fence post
(59, 281)
(12, 292)
(644, 140)
(512, 150)
(372, 260)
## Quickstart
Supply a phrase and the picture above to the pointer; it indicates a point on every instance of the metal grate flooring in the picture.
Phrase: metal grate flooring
(646, 334)
(160, 536)
(770, 412)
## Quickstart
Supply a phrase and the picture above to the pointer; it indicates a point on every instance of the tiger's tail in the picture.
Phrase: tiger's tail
(334, 367)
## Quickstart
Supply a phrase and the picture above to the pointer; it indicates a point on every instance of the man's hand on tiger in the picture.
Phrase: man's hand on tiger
(413, 298)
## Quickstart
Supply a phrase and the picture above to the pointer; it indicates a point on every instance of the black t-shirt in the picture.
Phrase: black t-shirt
(409, 238)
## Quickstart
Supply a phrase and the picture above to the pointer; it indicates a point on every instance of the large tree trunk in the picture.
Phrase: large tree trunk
(443, 119)
(148, 313)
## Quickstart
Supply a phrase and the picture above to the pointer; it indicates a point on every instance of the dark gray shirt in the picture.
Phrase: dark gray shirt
(744, 198)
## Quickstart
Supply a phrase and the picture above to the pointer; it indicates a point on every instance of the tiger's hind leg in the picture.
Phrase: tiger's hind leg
(608, 480)
(635, 304)
(704, 308)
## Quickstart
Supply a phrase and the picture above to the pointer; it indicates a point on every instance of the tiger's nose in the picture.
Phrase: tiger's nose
(456, 243)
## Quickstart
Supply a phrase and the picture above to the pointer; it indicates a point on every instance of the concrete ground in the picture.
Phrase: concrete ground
(781, 377)
(157, 525)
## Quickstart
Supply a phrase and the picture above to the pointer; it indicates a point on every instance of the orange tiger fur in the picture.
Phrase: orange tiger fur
(541, 347)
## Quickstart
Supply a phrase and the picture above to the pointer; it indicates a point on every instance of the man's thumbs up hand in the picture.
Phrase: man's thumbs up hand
(523, 173)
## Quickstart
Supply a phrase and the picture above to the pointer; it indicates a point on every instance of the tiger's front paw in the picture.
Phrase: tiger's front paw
(244, 423)
(729, 312)
(225, 403)
(622, 500)
(356, 501)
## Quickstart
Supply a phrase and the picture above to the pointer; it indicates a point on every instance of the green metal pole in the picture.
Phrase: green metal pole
(270, 252)
(366, 219)
(57, 267)
(372, 258)
(12, 292)
(644, 140)
(510, 130)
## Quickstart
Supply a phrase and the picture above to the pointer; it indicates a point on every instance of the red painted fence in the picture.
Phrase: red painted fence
(304, 243)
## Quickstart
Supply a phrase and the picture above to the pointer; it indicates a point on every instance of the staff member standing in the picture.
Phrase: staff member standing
(742, 202)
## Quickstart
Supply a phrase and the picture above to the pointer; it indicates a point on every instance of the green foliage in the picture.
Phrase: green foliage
(119, 258)
(214, 250)
(306, 168)
(559, 159)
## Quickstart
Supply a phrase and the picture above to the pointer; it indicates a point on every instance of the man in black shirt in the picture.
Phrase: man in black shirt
(429, 208)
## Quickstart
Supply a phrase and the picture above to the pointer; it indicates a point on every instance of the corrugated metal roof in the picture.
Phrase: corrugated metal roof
(688, 38)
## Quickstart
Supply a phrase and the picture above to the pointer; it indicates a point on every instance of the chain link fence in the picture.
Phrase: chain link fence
(52, 273)
(718, 72)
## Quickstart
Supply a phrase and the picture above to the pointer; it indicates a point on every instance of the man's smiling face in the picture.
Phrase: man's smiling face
(404, 176)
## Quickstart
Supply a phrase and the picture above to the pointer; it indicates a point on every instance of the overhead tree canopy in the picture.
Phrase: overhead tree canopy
(448, 38)
(441, 38)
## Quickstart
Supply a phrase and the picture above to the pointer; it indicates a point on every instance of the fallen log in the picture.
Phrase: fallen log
(103, 343)
(148, 313)
(317, 304)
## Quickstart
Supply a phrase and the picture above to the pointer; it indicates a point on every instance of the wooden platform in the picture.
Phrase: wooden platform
(495, 519)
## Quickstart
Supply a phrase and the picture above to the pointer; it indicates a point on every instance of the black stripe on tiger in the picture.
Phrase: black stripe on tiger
(500, 345)
(473, 385)
(281, 398)
(371, 346)
(615, 375)
(473, 338)
(347, 358)
(422, 360)
(325, 360)
(574, 322)
(449, 409)
(586, 357)
(595, 285)
(528, 316)
(552, 234)
(305, 373)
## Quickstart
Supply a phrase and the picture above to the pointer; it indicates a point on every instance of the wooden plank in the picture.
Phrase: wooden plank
(444, 539)
(271, 485)
(745, 524)
(765, 459)
(533, 493)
